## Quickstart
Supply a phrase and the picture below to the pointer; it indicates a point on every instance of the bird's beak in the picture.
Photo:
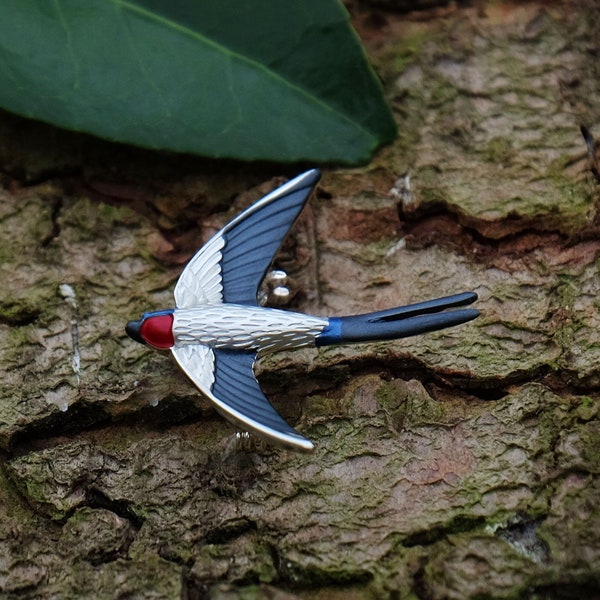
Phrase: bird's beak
(133, 331)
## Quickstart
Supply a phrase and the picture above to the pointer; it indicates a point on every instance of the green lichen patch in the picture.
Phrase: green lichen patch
(457, 566)
(497, 134)
(244, 560)
(96, 535)
(26, 225)
(571, 532)
(74, 267)
(152, 577)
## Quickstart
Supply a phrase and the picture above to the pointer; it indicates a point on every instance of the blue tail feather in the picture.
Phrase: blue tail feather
(403, 321)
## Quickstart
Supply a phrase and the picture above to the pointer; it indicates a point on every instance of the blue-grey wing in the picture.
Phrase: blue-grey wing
(226, 377)
(231, 266)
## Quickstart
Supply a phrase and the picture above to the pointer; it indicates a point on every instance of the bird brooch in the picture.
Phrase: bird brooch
(218, 328)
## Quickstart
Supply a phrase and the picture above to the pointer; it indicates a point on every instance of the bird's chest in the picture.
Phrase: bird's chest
(244, 327)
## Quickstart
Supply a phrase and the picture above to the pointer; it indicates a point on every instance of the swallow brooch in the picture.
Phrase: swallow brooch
(218, 328)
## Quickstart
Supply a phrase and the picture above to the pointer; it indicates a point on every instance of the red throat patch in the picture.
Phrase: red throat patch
(158, 331)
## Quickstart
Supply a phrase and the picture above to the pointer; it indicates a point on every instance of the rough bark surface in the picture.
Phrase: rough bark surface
(462, 464)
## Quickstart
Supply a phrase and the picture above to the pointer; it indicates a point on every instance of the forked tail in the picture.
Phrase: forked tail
(400, 322)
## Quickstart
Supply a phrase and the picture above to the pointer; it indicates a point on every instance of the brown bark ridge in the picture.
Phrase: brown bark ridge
(461, 464)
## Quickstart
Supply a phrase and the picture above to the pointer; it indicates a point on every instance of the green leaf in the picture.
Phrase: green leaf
(260, 79)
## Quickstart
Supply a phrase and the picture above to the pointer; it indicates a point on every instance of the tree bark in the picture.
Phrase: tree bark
(459, 464)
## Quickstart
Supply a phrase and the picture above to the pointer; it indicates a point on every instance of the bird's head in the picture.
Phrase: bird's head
(154, 329)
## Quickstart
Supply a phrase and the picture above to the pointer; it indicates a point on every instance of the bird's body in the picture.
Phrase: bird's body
(217, 328)
(239, 327)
